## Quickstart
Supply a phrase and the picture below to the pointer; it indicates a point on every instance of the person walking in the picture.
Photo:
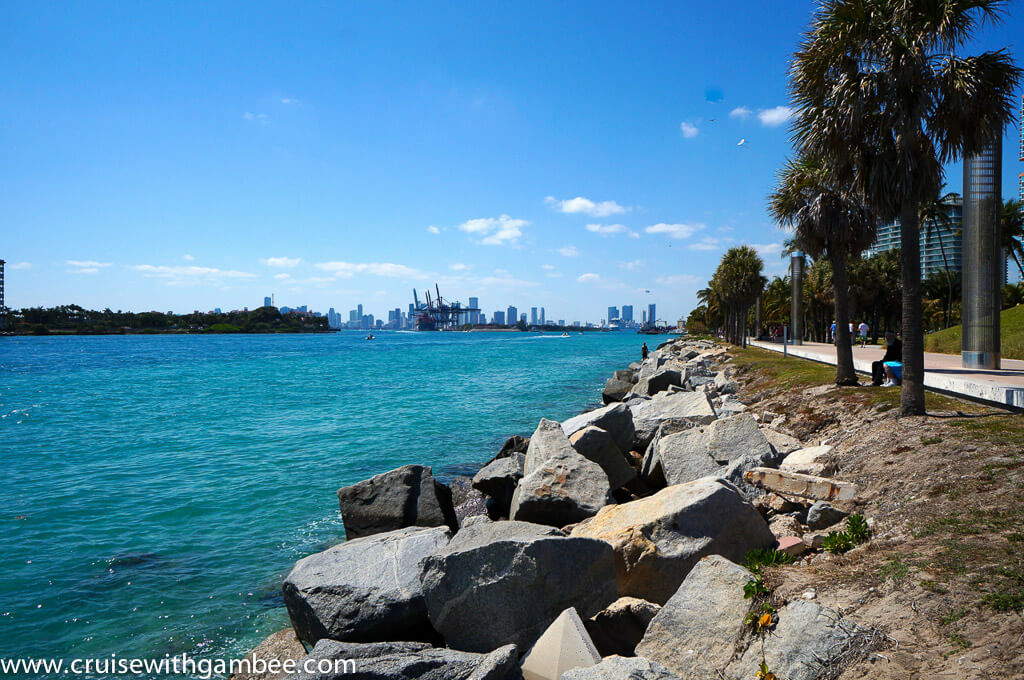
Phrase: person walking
(643, 352)
(862, 331)
(832, 331)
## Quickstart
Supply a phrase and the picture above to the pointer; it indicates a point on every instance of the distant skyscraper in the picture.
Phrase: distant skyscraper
(644, 317)
(511, 315)
(613, 314)
(652, 316)
(627, 313)
(533, 316)
(542, 319)
(522, 317)
(266, 302)
(499, 318)
(561, 322)
(474, 317)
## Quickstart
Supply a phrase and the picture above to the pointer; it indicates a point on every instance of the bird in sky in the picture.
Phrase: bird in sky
(741, 142)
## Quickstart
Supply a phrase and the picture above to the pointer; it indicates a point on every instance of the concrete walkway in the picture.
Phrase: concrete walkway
(942, 372)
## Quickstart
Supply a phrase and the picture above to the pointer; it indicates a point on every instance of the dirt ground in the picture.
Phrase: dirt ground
(943, 574)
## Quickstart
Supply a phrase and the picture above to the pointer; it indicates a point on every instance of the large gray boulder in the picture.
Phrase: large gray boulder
(697, 452)
(622, 668)
(809, 642)
(498, 480)
(625, 375)
(615, 390)
(560, 486)
(405, 497)
(616, 419)
(658, 539)
(597, 445)
(619, 627)
(364, 590)
(695, 634)
(683, 409)
(333, 660)
(486, 594)
(479, 534)
(277, 648)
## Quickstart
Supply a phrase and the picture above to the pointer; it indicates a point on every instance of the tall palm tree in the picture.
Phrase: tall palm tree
(884, 96)
(933, 218)
(827, 220)
(1011, 232)
(737, 282)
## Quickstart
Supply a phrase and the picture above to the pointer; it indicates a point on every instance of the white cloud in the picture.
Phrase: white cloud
(706, 243)
(20, 265)
(86, 264)
(289, 100)
(674, 230)
(689, 131)
(281, 262)
(569, 251)
(679, 279)
(433, 230)
(346, 270)
(86, 270)
(496, 231)
(187, 257)
(282, 277)
(631, 265)
(255, 117)
(588, 278)
(506, 281)
(610, 229)
(775, 116)
(767, 248)
(740, 112)
(586, 206)
(458, 267)
(189, 272)
(549, 267)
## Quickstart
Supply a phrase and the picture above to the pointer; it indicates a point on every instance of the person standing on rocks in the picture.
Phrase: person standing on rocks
(643, 352)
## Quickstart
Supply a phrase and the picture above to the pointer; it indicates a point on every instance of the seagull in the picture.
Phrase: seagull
(741, 142)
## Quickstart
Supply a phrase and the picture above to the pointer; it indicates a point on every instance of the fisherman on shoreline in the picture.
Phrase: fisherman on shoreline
(643, 352)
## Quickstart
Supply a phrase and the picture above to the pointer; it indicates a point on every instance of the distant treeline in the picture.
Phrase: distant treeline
(73, 319)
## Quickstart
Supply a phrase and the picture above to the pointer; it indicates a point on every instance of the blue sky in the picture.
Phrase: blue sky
(182, 156)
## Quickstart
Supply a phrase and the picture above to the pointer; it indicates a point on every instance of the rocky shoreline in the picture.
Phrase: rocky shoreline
(631, 541)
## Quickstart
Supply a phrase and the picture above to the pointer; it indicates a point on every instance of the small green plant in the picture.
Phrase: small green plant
(895, 569)
(952, 616)
(857, 532)
(761, 618)
(931, 440)
(857, 528)
(758, 560)
(763, 673)
(837, 542)
(933, 587)
(1005, 600)
(958, 641)
(754, 589)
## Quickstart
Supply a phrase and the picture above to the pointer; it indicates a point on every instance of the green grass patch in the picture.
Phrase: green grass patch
(933, 587)
(787, 372)
(896, 569)
(1011, 335)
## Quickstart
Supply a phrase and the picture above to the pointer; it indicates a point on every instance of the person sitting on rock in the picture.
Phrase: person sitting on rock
(889, 371)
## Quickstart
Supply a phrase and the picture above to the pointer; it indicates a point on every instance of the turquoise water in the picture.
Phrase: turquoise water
(158, 488)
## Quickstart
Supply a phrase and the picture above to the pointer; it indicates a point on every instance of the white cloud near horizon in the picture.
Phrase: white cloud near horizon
(569, 251)
(281, 262)
(689, 131)
(585, 206)
(767, 248)
(289, 100)
(188, 274)
(740, 112)
(458, 267)
(588, 278)
(549, 267)
(187, 257)
(495, 231)
(706, 243)
(611, 229)
(677, 231)
(433, 230)
(346, 270)
(255, 117)
(90, 264)
(775, 116)
(631, 265)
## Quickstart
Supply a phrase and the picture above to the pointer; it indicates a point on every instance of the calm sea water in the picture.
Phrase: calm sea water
(156, 489)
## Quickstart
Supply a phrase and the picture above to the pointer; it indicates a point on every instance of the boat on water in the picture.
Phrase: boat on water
(565, 335)
(370, 337)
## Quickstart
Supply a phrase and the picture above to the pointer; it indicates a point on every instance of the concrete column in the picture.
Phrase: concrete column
(796, 314)
(757, 317)
(982, 257)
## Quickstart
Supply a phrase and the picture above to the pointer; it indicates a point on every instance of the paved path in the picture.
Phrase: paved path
(942, 372)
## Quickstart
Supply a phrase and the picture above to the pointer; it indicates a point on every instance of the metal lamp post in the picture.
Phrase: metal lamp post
(982, 257)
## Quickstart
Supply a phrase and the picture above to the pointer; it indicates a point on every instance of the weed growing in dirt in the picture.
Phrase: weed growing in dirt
(895, 569)
(857, 532)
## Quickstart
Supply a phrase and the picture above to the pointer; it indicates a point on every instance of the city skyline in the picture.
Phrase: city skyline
(231, 151)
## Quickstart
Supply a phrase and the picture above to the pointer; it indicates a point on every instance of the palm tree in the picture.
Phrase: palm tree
(736, 283)
(1011, 232)
(933, 214)
(884, 98)
(827, 219)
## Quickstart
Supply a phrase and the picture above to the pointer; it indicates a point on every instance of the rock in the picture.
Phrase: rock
(619, 627)
(822, 515)
(792, 545)
(658, 539)
(659, 381)
(813, 460)
(277, 648)
(365, 590)
(475, 505)
(815, 540)
(806, 644)
(685, 409)
(333, 660)
(730, 406)
(626, 375)
(563, 646)
(723, 385)
(559, 486)
(615, 419)
(780, 441)
(408, 496)
(785, 525)
(498, 479)
(781, 504)
(695, 634)
(510, 590)
(622, 668)
(461, 488)
(476, 535)
(697, 452)
(615, 390)
(805, 486)
(514, 444)
(597, 445)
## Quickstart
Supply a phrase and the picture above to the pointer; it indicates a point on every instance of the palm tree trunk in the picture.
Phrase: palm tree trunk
(845, 375)
(912, 394)
(949, 279)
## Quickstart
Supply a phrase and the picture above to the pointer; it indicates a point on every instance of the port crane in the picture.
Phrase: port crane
(439, 314)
